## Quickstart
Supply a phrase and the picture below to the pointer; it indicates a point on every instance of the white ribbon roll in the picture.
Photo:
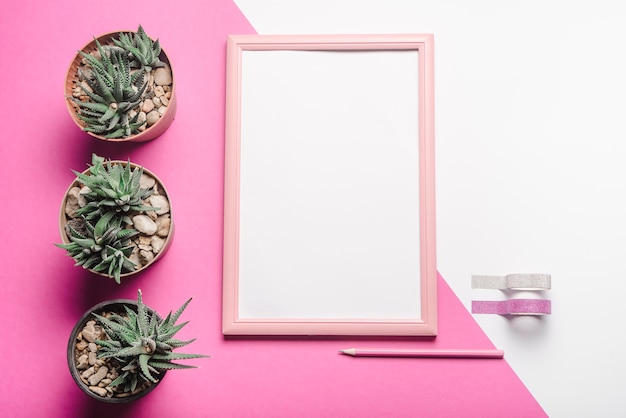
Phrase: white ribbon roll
(513, 281)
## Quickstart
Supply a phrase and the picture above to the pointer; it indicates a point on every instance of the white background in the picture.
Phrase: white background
(530, 150)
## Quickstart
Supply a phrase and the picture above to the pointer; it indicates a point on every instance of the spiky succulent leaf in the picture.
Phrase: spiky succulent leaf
(119, 380)
(162, 347)
(89, 263)
(100, 229)
(113, 91)
(114, 260)
(171, 366)
(176, 356)
(169, 331)
(178, 343)
(131, 316)
(113, 187)
(133, 383)
(141, 48)
(145, 370)
(96, 108)
(103, 247)
(173, 317)
(142, 316)
(119, 332)
(109, 343)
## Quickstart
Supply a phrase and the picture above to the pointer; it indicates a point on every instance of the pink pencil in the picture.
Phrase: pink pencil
(465, 353)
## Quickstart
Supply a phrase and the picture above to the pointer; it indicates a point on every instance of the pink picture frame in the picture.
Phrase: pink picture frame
(307, 252)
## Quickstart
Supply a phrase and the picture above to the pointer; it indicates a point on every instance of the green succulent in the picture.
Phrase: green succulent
(113, 92)
(103, 247)
(112, 188)
(142, 343)
(143, 51)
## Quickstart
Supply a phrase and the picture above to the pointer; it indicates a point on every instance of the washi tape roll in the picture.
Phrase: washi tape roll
(513, 281)
(513, 307)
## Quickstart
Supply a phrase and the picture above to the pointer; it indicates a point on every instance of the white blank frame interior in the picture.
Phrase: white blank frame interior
(329, 217)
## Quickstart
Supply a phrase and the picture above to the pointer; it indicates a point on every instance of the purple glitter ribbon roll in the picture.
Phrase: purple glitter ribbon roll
(513, 307)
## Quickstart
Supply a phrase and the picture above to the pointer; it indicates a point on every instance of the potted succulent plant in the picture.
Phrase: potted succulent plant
(121, 349)
(115, 218)
(120, 87)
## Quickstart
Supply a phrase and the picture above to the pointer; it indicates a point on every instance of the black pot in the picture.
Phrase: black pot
(117, 306)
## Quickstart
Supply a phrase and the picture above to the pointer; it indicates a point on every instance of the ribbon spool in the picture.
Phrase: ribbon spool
(513, 307)
(513, 282)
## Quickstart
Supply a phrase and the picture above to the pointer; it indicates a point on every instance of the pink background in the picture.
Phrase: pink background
(44, 294)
